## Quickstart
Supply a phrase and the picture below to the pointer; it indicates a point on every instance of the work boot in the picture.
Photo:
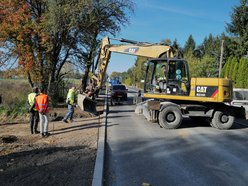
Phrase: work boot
(46, 134)
(65, 121)
(36, 132)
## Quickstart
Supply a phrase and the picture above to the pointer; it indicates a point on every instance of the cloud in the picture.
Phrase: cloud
(171, 9)
(185, 12)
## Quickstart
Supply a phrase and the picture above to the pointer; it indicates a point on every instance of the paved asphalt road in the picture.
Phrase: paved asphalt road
(140, 152)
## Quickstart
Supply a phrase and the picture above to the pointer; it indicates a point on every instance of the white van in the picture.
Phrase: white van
(240, 98)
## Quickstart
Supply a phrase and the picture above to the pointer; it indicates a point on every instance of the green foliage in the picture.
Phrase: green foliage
(14, 102)
(241, 74)
(128, 81)
(222, 75)
(204, 59)
(234, 74)
(115, 74)
(17, 109)
(228, 67)
(231, 73)
(46, 34)
(209, 44)
(190, 45)
(166, 42)
(239, 28)
(237, 71)
(201, 67)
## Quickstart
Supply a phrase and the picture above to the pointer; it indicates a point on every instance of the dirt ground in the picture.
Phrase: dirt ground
(66, 157)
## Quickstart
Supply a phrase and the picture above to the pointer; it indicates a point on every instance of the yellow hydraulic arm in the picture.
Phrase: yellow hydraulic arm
(135, 48)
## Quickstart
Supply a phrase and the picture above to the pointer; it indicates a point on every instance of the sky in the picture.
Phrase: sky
(156, 20)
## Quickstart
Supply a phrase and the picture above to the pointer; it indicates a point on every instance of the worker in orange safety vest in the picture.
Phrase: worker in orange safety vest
(41, 104)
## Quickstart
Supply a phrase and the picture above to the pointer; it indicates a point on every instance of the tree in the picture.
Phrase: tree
(22, 35)
(231, 73)
(189, 45)
(242, 72)
(43, 35)
(105, 17)
(227, 67)
(238, 27)
(206, 67)
(177, 49)
(166, 42)
(234, 74)
(208, 45)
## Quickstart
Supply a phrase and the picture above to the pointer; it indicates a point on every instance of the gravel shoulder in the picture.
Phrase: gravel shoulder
(66, 157)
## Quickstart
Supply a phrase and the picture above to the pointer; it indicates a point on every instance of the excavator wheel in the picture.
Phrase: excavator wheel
(170, 117)
(222, 120)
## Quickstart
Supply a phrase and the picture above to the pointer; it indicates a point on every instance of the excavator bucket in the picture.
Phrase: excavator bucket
(87, 104)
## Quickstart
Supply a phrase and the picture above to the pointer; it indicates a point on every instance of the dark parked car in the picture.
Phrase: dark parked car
(118, 93)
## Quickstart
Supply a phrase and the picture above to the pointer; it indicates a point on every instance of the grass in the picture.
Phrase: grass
(14, 97)
(14, 93)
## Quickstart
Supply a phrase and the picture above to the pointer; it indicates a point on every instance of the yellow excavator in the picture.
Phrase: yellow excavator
(169, 91)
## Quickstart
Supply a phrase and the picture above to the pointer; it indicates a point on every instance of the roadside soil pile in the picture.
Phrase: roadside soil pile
(66, 157)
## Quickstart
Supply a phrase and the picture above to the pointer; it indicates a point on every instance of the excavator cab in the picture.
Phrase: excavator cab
(167, 76)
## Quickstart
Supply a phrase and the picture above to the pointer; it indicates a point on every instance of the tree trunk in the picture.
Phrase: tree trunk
(85, 77)
(30, 80)
(54, 79)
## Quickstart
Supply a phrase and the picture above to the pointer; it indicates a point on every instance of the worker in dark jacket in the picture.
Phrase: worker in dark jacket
(34, 116)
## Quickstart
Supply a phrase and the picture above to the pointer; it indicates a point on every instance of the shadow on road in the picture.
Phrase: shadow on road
(72, 128)
(117, 111)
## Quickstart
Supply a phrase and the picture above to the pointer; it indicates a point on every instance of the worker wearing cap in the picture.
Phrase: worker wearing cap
(34, 116)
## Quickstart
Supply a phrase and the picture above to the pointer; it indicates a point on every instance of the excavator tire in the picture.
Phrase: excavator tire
(222, 120)
(170, 117)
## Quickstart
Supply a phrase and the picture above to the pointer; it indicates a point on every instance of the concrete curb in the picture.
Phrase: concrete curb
(100, 155)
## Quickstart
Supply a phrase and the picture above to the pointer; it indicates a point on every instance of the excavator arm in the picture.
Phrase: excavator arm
(132, 48)
(135, 48)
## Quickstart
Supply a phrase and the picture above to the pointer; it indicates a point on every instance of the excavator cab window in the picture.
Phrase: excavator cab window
(167, 76)
(178, 77)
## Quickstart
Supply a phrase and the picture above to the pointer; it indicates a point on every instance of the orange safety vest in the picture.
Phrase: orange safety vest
(41, 103)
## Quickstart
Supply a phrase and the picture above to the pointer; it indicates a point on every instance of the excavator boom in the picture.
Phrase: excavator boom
(136, 49)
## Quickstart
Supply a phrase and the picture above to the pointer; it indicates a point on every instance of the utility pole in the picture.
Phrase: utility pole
(221, 56)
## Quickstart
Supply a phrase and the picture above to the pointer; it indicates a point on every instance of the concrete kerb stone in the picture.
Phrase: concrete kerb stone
(100, 155)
